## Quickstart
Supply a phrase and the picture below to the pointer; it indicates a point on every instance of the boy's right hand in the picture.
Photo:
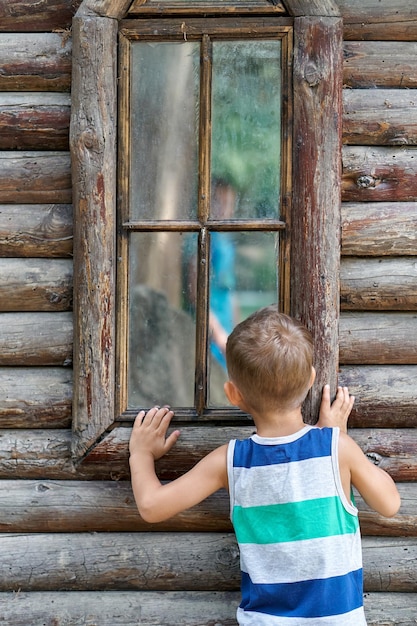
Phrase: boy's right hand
(337, 413)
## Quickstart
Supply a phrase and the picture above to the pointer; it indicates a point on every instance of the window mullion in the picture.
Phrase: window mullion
(202, 310)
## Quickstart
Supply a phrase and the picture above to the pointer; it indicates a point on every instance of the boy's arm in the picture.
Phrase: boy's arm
(148, 442)
(375, 486)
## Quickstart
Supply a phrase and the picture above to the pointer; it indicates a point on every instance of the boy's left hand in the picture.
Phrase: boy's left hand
(149, 433)
(337, 413)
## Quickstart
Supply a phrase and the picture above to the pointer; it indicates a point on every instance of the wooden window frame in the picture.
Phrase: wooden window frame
(312, 235)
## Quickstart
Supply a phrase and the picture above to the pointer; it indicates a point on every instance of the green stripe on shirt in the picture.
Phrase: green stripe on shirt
(294, 521)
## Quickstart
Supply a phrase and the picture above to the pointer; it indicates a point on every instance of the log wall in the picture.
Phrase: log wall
(74, 549)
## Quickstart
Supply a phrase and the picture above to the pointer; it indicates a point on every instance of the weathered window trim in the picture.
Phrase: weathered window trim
(314, 220)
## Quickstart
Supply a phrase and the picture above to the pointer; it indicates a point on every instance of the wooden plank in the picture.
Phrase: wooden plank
(379, 228)
(393, 609)
(396, 31)
(167, 608)
(35, 397)
(315, 214)
(34, 121)
(36, 453)
(401, 525)
(45, 454)
(31, 16)
(42, 398)
(385, 395)
(166, 562)
(35, 61)
(36, 230)
(378, 553)
(394, 450)
(35, 177)
(108, 506)
(378, 284)
(96, 506)
(226, 7)
(309, 8)
(379, 174)
(119, 561)
(35, 339)
(380, 117)
(371, 64)
(121, 608)
(35, 285)
(358, 11)
(378, 338)
(371, 19)
(94, 166)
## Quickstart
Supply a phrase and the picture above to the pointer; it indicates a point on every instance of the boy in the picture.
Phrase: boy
(289, 484)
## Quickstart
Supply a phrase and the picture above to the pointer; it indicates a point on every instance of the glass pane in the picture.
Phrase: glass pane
(243, 278)
(246, 124)
(161, 320)
(164, 130)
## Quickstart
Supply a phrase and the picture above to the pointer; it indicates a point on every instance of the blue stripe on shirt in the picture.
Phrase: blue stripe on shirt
(249, 453)
(310, 598)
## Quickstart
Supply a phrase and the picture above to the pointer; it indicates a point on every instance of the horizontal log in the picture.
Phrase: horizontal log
(385, 396)
(379, 174)
(42, 397)
(378, 338)
(394, 450)
(395, 20)
(36, 230)
(35, 397)
(34, 121)
(31, 15)
(166, 562)
(379, 228)
(380, 31)
(401, 525)
(35, 61)
(378, 284)
(108, 506)
(35, 177)
(167, 608)
(371, 64)
(380, 116)
(35, 285)
(119, 561)
(36, 339)
(46, 454)
(123, 608)
(378, 555)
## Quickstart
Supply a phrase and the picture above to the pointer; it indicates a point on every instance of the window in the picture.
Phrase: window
(291, 221)
(201, 210)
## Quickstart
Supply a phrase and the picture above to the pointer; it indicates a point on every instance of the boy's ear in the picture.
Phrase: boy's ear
(232, 393)
(313, 377)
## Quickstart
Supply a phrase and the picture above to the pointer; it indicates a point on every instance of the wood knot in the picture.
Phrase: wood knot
(366, 181)
(312, 74)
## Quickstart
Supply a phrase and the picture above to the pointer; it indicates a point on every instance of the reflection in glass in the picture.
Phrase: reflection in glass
(243, 278)
(164, 130)
(246, 123)
(161, 320)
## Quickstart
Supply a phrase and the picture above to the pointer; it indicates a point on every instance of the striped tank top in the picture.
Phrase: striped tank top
(298, 535)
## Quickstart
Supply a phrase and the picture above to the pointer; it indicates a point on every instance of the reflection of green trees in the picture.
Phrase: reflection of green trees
(246, 121)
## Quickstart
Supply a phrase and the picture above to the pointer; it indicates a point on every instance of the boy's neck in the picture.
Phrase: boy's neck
(279, 423)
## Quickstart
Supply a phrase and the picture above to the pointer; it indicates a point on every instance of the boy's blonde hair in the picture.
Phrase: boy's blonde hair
(269, 359)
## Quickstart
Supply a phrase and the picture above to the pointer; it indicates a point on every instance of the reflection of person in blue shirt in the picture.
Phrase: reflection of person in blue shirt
(222, 271)
(222, 318)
